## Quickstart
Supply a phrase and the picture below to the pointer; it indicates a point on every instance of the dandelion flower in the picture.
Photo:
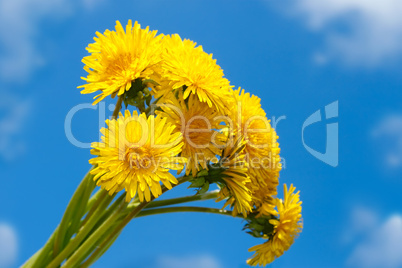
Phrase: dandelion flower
(262, 148)
(196, 72)
(264, 182)
(285, 229)
(199, 126)
(251, 120)
(118, 58)
(235, 178)
(136, 154)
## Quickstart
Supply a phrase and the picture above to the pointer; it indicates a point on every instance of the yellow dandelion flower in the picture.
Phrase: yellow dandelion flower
(286, 229)
(235, 177)
(118, 58)
(263, 184)
(263, 200)
(249, 118)
(199, 126)
(189, 67)
(262, 148)
(136, 154)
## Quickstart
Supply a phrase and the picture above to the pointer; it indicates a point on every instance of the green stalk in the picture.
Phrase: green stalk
(82, 233)
(108, 241)
(71, 221)
(118, 107)
(132, 210)
(82, 250)
(42, 255)
(61, 233)
(96, 201)
(185, 199)
(31, 260)
(68, 226)
(79, 211)
(96, 255)
(149, 212)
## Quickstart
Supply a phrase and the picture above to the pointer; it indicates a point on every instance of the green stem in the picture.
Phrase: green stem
(133, 209)
(148, 212)
(98, 198)
(94, 198)
(118, 107)
(30, 261)
(82, 234)
(93, 238)
(97, 254)
(60, 236)
(43, 253)
(106, 242)
(185, 199)
(69, 224)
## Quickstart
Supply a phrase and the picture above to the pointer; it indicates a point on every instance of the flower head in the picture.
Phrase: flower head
(262, 148)
(285, 229)
(199, 127)
(250, 119)
(235, 178)
(136, 154)
(118, 58)
(263, 185)
(190, 68)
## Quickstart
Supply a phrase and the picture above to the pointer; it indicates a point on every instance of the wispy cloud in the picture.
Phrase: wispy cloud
(362, 220)
(382, 247)
(8, 245)
(201, 261)
(20, 30)
(14, 113)
(388, 134)
(364, 33)
(92, 4)
(19, 27)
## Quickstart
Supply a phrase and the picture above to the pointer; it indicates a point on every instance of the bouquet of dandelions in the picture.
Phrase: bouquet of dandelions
(184, 117)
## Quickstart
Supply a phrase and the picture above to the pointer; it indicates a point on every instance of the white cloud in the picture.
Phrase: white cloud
(8, 245)
(14, 113)
(203, 261)
(358, 32)
(364, 219)
(92, 4)
(382, 248)
(19, 26)
(320, 58)
(388, 133)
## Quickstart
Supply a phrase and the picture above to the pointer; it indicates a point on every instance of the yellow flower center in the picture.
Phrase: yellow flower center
(119, 67)
(139, 158)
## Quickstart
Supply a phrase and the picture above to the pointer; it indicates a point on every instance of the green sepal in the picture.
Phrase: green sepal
(148, 99)
(259, 226)
(197, 182)
(204, 188)
(202, 173)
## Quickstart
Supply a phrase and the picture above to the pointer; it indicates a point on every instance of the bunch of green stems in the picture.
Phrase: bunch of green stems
(94, 219)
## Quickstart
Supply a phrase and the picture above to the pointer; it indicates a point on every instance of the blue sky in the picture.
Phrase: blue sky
(298, 56)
